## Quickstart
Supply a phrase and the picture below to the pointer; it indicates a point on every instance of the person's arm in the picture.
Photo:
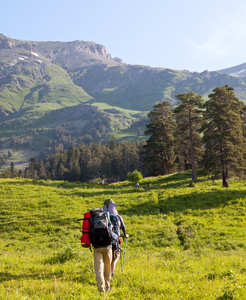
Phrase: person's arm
(123, 227)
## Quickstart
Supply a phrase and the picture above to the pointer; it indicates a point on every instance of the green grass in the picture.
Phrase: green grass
(185, 242)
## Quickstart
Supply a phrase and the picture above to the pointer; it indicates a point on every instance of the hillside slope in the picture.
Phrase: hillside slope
(140, 87)
(38, 78)
(184, 243)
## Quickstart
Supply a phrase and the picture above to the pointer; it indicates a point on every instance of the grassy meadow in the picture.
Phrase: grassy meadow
(186, 242)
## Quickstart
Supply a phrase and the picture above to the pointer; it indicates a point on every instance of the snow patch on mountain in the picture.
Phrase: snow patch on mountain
(238, 72)
(35, 54)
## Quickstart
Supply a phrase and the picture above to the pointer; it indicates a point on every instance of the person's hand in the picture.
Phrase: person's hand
(127, 235)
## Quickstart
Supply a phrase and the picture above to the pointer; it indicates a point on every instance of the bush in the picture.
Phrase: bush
(135, 176)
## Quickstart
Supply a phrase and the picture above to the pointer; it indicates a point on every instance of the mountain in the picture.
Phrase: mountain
(54, 95)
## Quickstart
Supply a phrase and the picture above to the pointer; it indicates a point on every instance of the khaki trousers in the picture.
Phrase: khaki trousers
(102, 265)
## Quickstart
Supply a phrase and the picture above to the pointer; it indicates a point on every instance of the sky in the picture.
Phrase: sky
(194, 35)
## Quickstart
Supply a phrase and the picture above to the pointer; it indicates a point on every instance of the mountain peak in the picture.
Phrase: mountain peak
(71, 55)
(5, 42)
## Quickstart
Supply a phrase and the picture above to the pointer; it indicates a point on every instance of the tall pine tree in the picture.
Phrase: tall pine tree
(159, 148)
(223, 133)
(189, 120)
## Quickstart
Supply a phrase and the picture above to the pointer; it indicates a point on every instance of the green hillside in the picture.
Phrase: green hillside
(140, 87)
(31, 87)
(39, 80)
(185, 242)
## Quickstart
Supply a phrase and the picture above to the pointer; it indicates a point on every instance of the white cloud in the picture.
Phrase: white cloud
(219, 43)
(214, 45)
(220, 46)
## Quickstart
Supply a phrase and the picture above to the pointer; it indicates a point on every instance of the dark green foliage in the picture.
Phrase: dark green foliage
(159, 148)
(223, 134)
(13, 172)
(189, 120)
(109, 162)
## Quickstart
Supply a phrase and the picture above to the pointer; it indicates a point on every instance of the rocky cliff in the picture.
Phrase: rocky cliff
(67, 54)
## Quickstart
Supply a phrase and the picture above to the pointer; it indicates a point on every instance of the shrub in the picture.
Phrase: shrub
(135, 176)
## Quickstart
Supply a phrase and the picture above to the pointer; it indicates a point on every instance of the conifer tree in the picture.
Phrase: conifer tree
(189, 120)
(12, 170)
(41, 170)
(223, 133)
(159, 148)
(75, 172)
(61, 171)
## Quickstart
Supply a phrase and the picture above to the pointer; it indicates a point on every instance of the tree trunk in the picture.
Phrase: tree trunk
(225, 180)
(193, 164)
(224, 169)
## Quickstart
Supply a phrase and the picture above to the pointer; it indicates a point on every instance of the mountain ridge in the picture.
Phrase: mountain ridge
(239, 70)
(38, 79)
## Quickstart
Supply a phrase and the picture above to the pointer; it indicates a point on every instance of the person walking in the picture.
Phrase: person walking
(102, 242)
(117, 225)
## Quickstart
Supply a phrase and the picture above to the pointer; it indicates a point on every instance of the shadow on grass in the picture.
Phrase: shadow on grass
(176, 180)
(55, 184)
(183, 176)
(7, 276)
(164, 204)
(182, 203)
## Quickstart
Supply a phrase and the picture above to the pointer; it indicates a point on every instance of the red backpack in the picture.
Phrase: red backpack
(86, 226)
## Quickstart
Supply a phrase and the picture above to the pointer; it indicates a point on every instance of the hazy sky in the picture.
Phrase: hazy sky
(196, 35)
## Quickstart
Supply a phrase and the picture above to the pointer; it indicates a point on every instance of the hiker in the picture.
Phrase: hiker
(102, 252)
(117, 225)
